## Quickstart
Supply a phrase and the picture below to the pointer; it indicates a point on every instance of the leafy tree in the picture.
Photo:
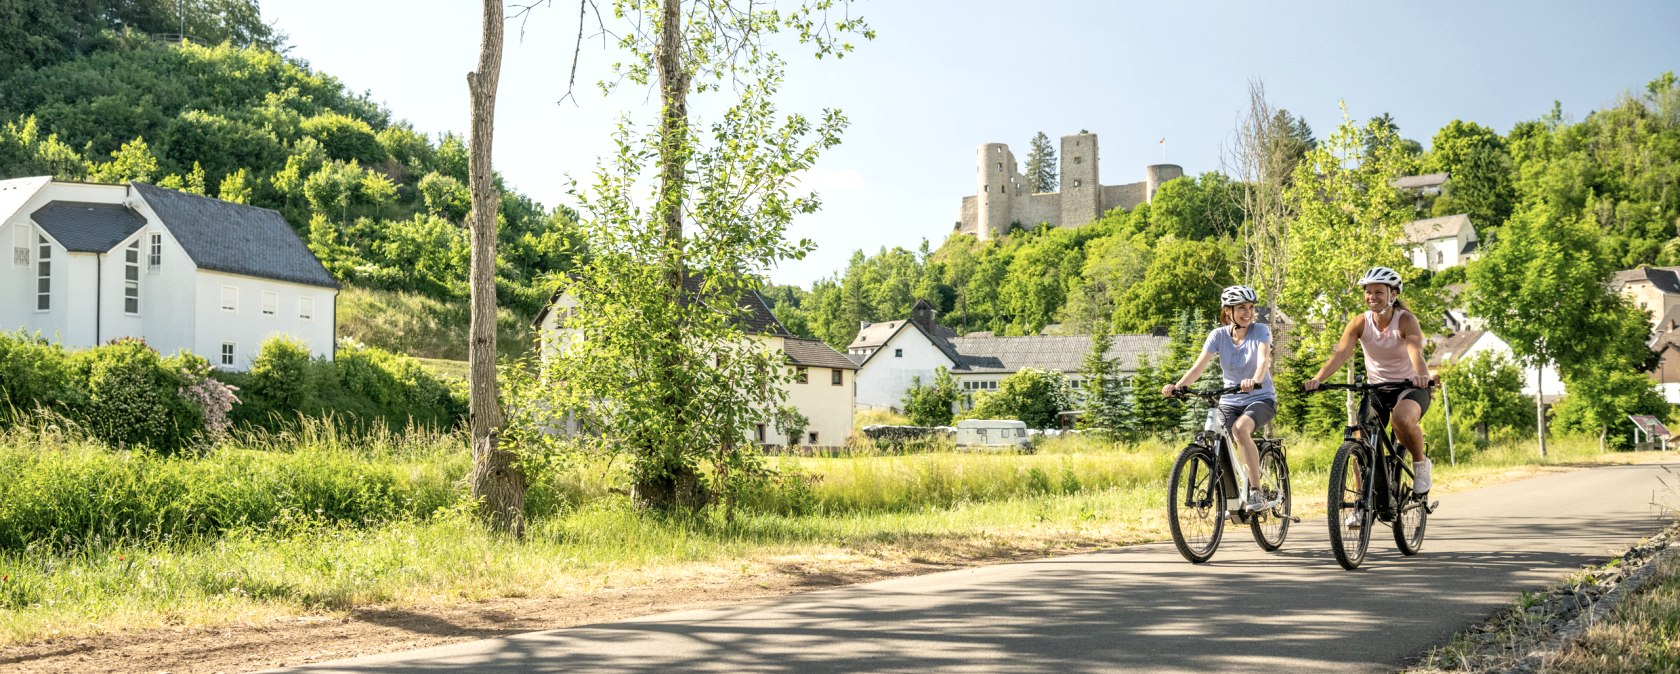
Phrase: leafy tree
(931, 404)
(1185, 339)
(663, 371)
(1486, 392)
(1600, 401)
(1041, 164)
(1180, 274)
(1033, 396)
(134, 161)
(791, 424)
(1479, 174)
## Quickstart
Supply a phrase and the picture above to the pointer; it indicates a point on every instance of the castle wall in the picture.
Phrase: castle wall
(1128, 196)
(1035, 209)
(1156, 175)
(968, 218)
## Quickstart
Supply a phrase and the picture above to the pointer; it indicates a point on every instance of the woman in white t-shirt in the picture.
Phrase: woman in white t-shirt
(1244, 349)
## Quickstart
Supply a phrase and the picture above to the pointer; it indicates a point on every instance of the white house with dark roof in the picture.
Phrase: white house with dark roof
(894, 354)
(822, 387)
(92, 262)
(1439, 243)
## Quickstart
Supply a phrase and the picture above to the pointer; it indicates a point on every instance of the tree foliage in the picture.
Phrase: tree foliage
(1042, 170)
(1031, 395)
(933, 403)
(1486, 392)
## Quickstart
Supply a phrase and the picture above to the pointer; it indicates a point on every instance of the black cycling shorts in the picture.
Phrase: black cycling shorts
(1383, 402)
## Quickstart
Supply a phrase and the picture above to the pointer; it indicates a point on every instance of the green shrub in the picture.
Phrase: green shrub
(280, 372)
(133, 397)
(33, 373)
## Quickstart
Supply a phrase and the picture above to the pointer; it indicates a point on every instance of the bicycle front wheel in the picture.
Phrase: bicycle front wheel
(1194, 500)
(1271, 525)
(1349, 505)
(1413, 517)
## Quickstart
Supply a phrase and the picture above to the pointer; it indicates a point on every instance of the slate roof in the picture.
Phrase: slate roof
(1419, 231)
(83, 227)
(983, 355)
(1455, 344)
(1419, 182)
(757, 320)
(235, 238)
(1664, 278)
(815, 353)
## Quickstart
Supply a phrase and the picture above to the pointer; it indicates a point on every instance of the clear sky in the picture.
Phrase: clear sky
(943, 77)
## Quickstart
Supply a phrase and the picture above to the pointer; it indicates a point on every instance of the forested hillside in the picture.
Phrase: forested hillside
(1618, 168)
(108, 92)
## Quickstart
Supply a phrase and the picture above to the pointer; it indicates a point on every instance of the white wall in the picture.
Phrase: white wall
(247, 327)
(829, 407)
(1548, 375)
(884, 378)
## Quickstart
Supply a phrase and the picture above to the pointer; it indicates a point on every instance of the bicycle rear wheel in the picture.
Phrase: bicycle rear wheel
(1413, 517)
(1349, 506)
(1271, 526)
(1194, 500)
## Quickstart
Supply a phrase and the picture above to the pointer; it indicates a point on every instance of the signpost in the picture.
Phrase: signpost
(1651, 429)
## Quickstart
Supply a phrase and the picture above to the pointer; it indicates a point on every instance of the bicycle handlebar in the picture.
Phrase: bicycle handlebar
(1362, 386)
(1208, 394)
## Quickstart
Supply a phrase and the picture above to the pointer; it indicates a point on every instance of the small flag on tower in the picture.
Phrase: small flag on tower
(1163, 140)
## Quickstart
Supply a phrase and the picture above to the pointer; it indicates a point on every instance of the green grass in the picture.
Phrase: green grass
(445, 368)
(423, 327)
(1642, 634)
(311, 520)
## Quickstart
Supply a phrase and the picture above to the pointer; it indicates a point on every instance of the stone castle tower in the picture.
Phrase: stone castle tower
(1002, 196)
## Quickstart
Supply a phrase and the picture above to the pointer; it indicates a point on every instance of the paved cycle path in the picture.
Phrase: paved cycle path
(1134, 608)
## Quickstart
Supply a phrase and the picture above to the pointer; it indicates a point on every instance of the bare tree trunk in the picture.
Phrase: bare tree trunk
(498, 486)
(1263, 169)
(675, 482)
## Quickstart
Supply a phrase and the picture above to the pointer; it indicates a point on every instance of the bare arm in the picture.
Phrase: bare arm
(1344, 351)
(1262, 365)
(1192, 375)
(1412, 333)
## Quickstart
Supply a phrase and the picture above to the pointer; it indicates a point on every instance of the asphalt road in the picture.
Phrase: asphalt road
(1135, 608)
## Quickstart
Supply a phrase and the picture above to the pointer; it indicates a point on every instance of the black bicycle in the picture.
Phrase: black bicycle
(1206, 490)
(1359, 494)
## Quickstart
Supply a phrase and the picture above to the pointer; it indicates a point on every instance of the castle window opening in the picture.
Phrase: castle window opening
(1076, 182)
(1000, 166)
(1078, 160)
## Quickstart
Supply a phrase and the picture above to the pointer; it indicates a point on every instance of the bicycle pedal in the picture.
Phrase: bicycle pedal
(1430, 507)
(1292, 518)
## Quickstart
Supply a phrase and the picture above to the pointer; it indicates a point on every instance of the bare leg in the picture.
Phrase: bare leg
(1406, 429)
(1243, 432)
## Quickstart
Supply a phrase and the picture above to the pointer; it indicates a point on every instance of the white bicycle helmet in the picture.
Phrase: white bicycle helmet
(1236, 295)
(1382, 275)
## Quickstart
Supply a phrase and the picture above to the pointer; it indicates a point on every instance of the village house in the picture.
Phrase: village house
(1468, 343)
(1439, 243)
(1656, 290)
(822, 385)
(92, 262)
(894, 354)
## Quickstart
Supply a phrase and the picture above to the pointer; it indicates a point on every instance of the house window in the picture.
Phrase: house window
(1440, 257)
(761, 434)
(813, 438)
(228, 351)
(306, 308)
(898, 353)
(837, 377)
(230, 299)
(43, 275)
(801, 375)
(154, 258)
(131, 279)
(270, 303)
(20, 246)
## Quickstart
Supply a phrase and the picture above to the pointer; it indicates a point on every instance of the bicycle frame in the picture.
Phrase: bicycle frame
(1372, 433)
(1233, 479)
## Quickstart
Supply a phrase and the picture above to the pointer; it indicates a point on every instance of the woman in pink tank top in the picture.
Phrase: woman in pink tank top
(1393, 345)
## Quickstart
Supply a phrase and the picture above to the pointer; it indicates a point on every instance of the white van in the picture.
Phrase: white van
(1000, 433)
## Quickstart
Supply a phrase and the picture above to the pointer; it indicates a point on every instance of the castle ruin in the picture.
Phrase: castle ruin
(1004, 197)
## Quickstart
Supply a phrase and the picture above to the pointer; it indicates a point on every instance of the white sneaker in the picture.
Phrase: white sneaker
(1355, 520)
(1420, 477)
